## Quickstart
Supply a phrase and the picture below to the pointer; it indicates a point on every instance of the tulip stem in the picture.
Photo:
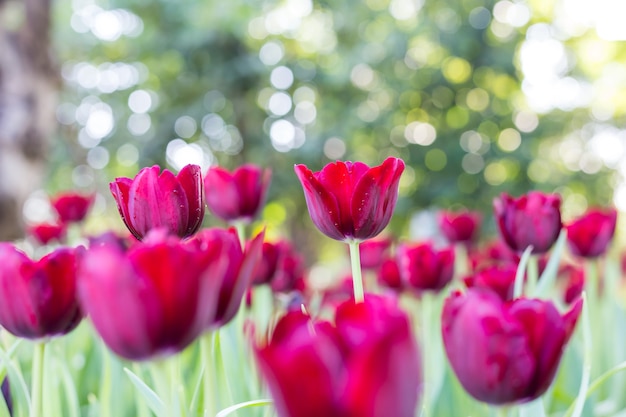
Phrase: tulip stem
(37, 380)
(357, 278)
(533, 274)
(240, 227)
(105, 383)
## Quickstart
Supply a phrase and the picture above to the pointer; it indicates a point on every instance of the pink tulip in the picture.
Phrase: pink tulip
(461, 226)
(45, 233)
(532, 219)
(72, 207)
(590, 235)
(499, 278)
(422, 267)
(38, 298)
(152, 200)
(505, 352)
(349, 200)
(236, 196)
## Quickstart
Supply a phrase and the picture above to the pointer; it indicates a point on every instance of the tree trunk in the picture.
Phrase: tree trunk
(29, 82)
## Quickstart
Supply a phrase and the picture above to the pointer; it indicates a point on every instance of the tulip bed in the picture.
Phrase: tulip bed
(178, 320)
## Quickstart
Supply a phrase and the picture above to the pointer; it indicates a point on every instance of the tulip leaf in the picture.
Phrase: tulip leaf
(546, 281)
(152, 399)
(70, 389)
(521, 270)
(18, 384)
(256, 403)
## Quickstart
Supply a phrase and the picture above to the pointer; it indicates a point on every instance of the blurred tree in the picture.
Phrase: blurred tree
(28, 88)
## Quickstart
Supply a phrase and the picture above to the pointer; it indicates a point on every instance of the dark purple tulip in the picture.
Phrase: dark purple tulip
(38, 298)
(590, 235)
(350, 200)
(423, 267)
(236, 196)
(505, 352)
(366, 365)
(461, 226)
(72, 207)
(154, 200)
(532, 219)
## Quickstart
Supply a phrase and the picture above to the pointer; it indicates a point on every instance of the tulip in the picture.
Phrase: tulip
(281, 267)
(424, 268)
(505, 352)
(237, 277)
(236, 196)
(45, 233)
(532, 219)
(373, 252)
(389, 275)
(72, 207)
(498, 278)
(350, 201)
(157, 297)
(573, 278)
(38, 298)
(460, 227)
(366, 365)
(589, 235)
(152, 200)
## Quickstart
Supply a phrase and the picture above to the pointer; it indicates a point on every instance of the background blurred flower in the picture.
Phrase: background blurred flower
(499, 278)
(152, 200)
(71, 206)
(236, 196)
(38, 298)
(422, 267)
(531, 219)
(505, 352)
(45, 233)
(460, 226)
(350, 200)
(366, 365)
(590, 235)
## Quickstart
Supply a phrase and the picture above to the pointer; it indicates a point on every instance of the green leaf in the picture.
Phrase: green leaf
(247, 404)
(548, 277)
(576, 408)
(151, 398)
(521, 270)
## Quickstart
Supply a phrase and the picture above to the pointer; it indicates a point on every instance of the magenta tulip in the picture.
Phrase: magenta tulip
(72, 207)
(350, 201)
(152, 200)
(45, 233)
(590, 235)
(388, 275)
(281, 266)
(373, 252)
(461, 226)
(366, 365)
(38, 298)
(532, 219)
(234, 269)
(499, 278)
(236, 196)
(423, 267)
(505, 352)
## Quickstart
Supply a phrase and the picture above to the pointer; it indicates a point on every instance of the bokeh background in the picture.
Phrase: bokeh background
(478, 97)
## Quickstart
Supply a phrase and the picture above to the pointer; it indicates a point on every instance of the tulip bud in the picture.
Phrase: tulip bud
(590, 235)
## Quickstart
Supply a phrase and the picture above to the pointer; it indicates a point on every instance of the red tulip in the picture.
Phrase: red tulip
(238, 195)
(460, 227)
(154, 299)
(45, 233)
(281, 267)
(152, 200)
(234, 269)
(38, 298)
(532, 219)
(494, 252)
(498, 278)
(71, 206)
(573, 278)
(424, 268)
(351, 201)
(389, 275)
(366, 365)
(589, 235)
(505, 352)
(372, 252)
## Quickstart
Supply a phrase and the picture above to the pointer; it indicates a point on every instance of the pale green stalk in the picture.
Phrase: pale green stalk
(533, 274)
(209, 386)
(37, 380)
(105, 383)
(240, 226)
(357, 277)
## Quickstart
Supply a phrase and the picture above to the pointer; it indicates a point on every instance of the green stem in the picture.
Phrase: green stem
(141, 407)
(208, 382)
(240, 226)
(37, 380)
(533, 274)
(357, 278)
(173, 367)
(105, 383)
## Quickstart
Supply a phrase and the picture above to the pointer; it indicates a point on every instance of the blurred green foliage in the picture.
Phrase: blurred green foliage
(438, 84)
